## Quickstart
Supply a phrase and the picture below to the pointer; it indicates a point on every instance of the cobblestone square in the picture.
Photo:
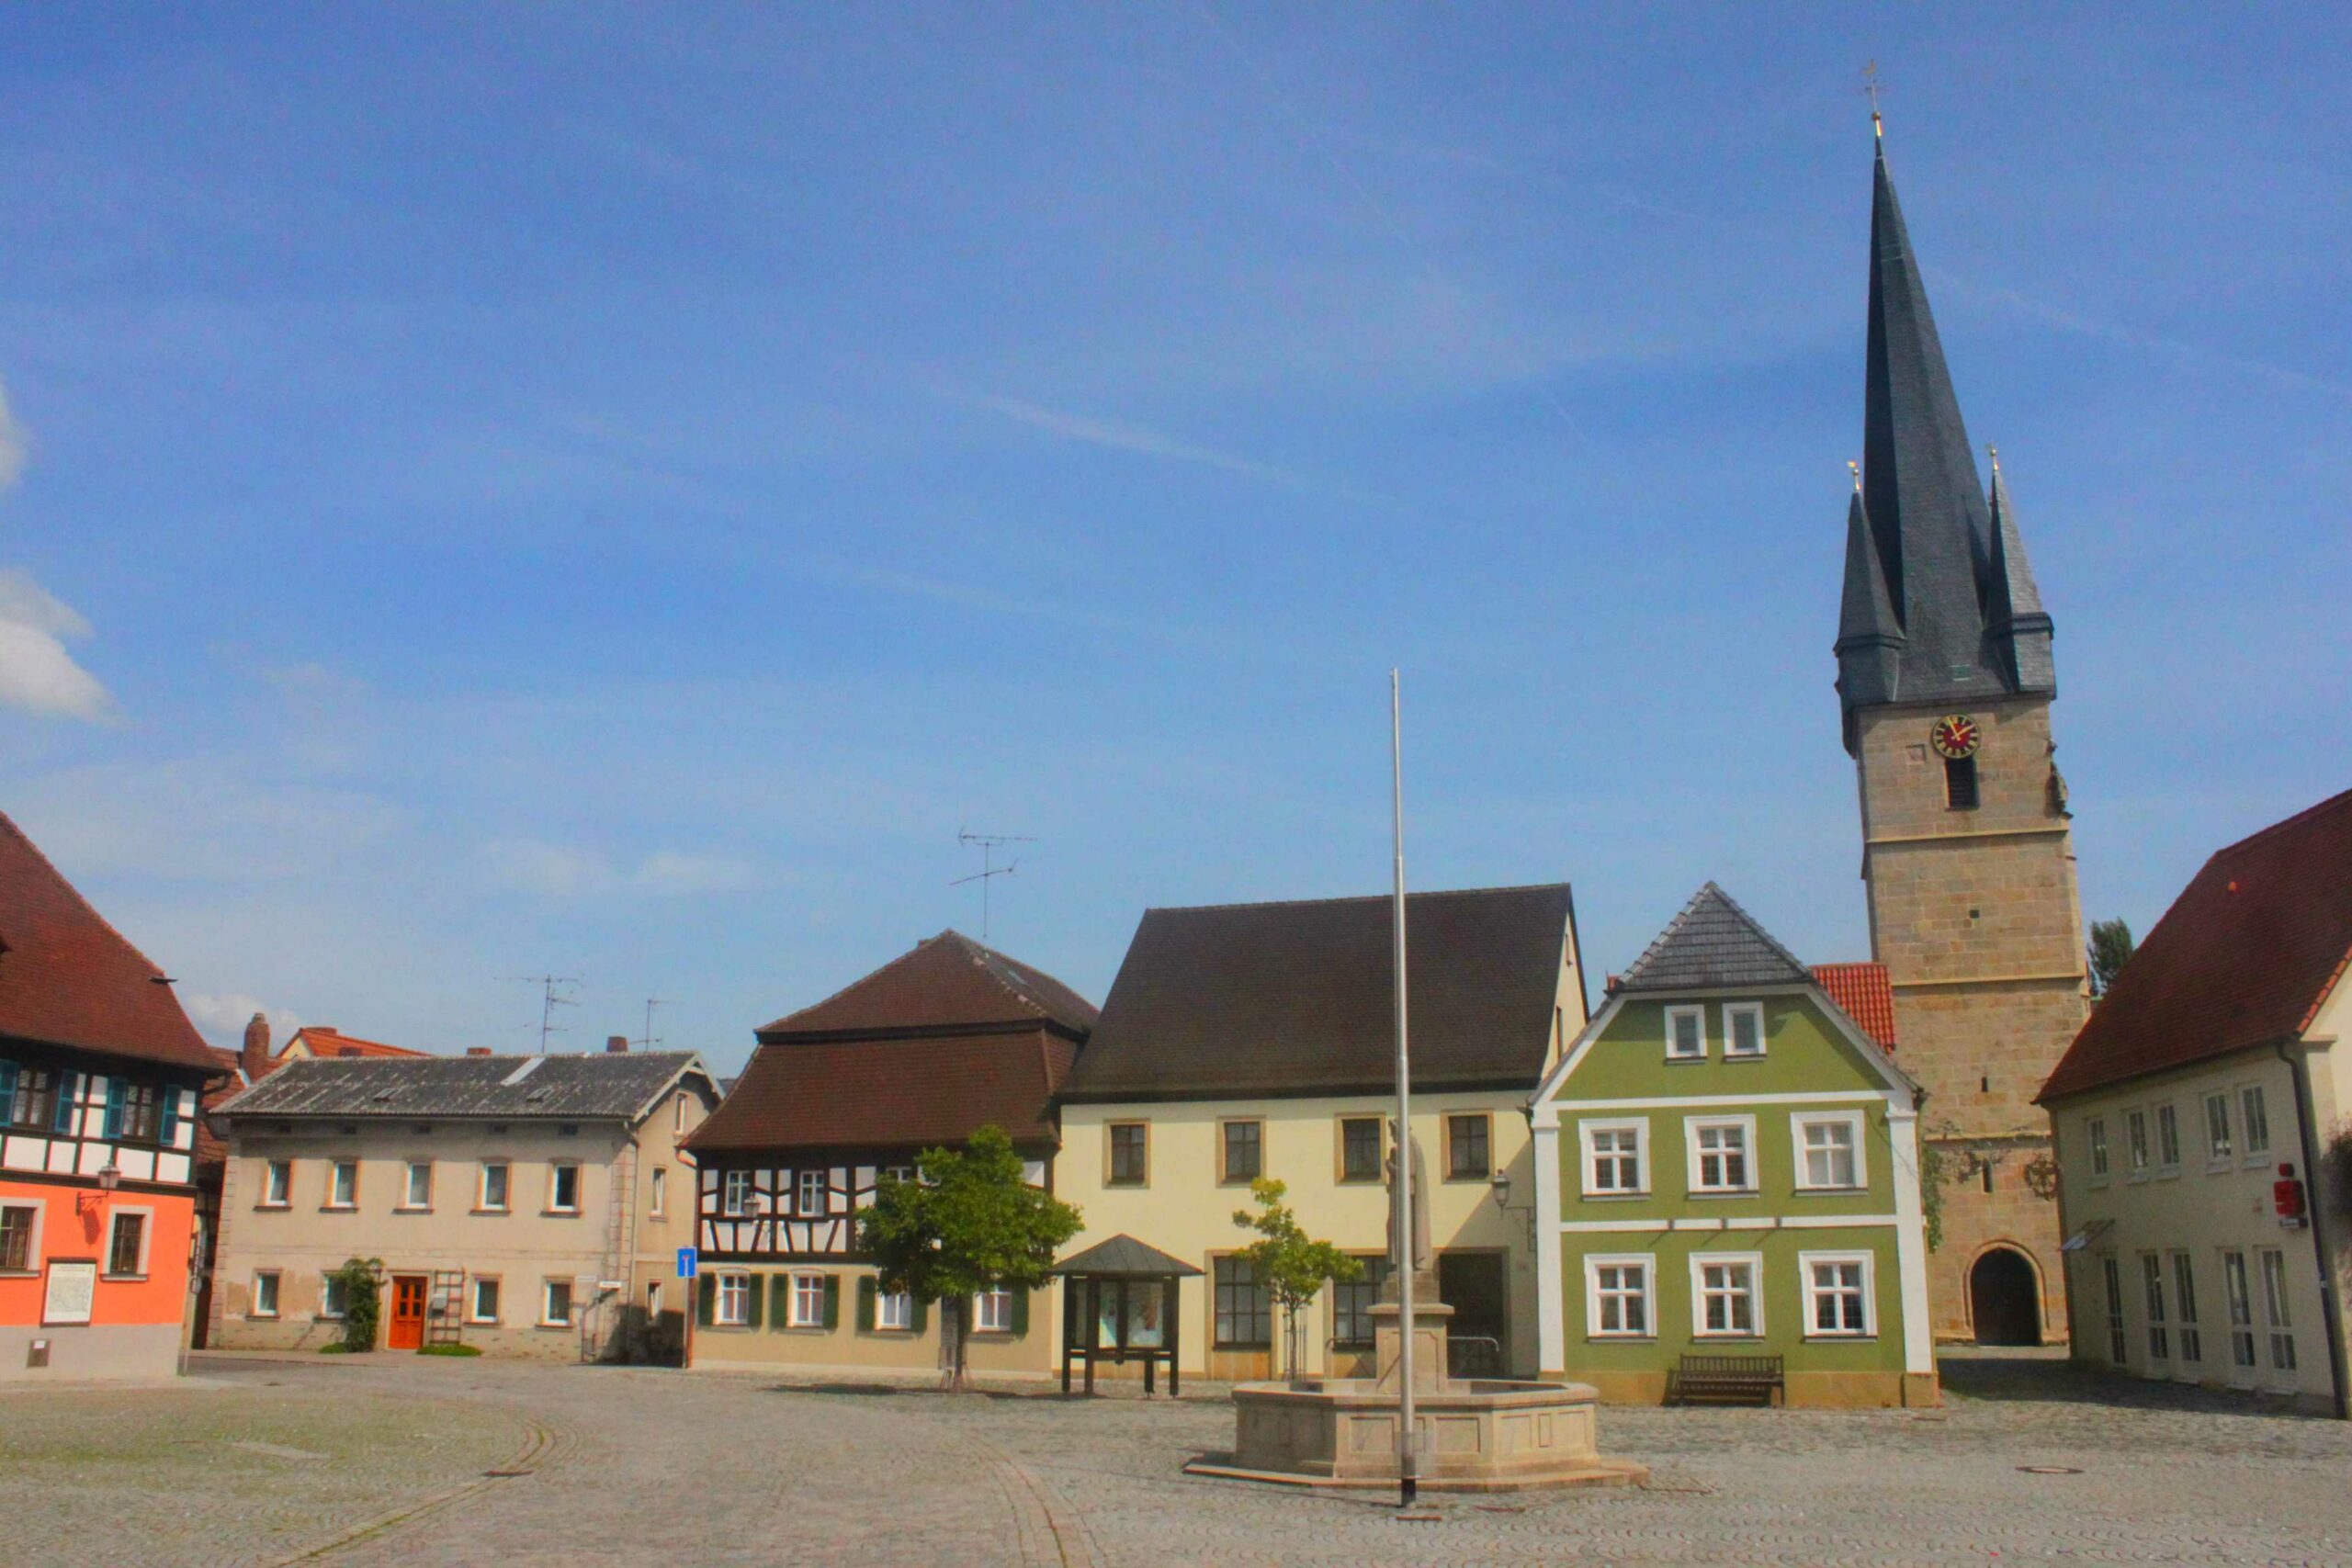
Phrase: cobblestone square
(396, 1459)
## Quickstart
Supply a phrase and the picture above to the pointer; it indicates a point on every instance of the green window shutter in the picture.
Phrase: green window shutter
(780, 1304)
(867, 1294)
(832, 1300)
(8, 1093)
(751, 1305)
(1020, 1311)
(68, 1093)
(116, 1089)
(706, 1299)
(169, 1135)
(922, 1319)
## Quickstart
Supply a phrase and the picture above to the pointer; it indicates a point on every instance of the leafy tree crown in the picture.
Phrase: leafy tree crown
(969, 1222)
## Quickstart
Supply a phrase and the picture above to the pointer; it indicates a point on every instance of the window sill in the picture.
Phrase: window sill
(1841, 1338)
(1622, 1338)
(1127, 1186)
(559, 1213)
(1686, 1061)
(339, 1208)
(1614, 1195)
(2169, 1174)
(2255, 1162)
(1358, 1182)
(1484, 1178)
(261, 1317)
(484, 1323)
(410, 1209)
(1238, 1350)
(1726, 1193)
(1746, 1057)
(122, 1278)
(1235, 1181)
(1718, 1339)
(265, 1207)
(1829, 1191)
(553, 1327)
(19, 1273)
(490, 1211)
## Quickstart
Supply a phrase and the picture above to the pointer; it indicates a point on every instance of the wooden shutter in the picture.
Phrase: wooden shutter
(116, 1089)
(751, 1300)
(67, 1119)
(1020, 1311)
(832, 1300)
(706, 1299)
(922, 1319)
(779, 1304)
(867, 1294)
(168, 1129)
(7, 1092)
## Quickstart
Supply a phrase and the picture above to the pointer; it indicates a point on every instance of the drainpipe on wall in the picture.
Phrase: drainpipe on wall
(2331, 1319)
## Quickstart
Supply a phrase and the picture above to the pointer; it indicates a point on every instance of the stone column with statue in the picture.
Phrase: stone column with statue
(1429, 1315)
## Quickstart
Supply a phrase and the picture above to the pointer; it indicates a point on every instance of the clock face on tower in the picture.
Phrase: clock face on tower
(1955, 736)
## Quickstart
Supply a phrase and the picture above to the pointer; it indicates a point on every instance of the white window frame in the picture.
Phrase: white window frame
(678, 1116)
(276, 1184)
(1813, 1293)
(2254, 1110)
(1854, 1121)
(336, 1167)
(807, 1301)
(481, 1186)
(1696, 1012)
(732, 1305)
(894, 1311)
(409, 1206)
(1637, 1125)
(546, 1301)
(473, 1299)
(327, 1309)
(1731, 1036)
(2220, 1140)
(2167, 1114)
(1692, 1126)
(992, 1311)
(145, 1214)
(579, 1192)
(1700, 1263)
(2102, 1168)
(2156, 1325)
(820, 1178)
(253, 1309)
(2139, 1145)
(34, 1262)
(2270, 1267)
(1594, 1263)
(734, 1193)
(658, 1199)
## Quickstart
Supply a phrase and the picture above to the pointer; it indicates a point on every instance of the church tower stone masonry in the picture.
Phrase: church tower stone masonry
(1946, 682)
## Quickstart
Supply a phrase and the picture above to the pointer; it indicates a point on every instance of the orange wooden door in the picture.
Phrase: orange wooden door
(407, 1329)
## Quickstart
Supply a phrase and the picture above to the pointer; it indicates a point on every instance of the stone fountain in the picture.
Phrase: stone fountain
(1473, 1434)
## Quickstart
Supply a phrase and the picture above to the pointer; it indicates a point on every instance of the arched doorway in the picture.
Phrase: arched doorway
(2005, 1298)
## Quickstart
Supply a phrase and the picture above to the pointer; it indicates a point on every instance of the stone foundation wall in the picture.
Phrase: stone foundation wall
(1805, 1390)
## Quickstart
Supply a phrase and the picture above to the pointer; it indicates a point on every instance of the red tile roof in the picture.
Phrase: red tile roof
(913, 1091)
(949, 981)
(323, 1042)
(211, 1154)
(1866, 995)
(68, 979)
(2244, 958)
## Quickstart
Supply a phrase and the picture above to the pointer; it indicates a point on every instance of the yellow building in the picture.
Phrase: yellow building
(1248, 1040)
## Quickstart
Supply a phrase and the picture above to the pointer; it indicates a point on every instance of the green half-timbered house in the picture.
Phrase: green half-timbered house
(1727, 1165)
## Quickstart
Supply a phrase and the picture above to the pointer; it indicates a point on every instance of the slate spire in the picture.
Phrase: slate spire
(1869, 637)
(2015, 623)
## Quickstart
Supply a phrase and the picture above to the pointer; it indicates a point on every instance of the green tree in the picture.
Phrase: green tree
(1291, 1265)
(2109, 950)
(968, 1223)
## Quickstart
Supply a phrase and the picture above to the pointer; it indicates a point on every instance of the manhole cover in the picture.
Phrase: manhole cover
(2051, 1469)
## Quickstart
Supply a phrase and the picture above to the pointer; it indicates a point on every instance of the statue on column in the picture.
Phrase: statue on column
(1420, 1259)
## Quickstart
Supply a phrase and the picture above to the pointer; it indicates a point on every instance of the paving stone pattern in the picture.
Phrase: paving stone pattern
(638, 1466)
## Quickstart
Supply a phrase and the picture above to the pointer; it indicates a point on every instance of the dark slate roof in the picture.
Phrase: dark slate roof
(603, 1084)
(1296, 998)
(1926, 513)
(69, 978)
(2244, 957)
(1712, 942)
(885, 1091)
(1121, 1258)
(947, 983)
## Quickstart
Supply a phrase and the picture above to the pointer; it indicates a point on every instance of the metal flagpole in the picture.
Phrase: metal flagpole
(1408, 1449)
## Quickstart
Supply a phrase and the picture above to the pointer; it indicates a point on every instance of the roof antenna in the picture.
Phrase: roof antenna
(650, 1040)
(549, 984)
(990, 870)
(1871, 87)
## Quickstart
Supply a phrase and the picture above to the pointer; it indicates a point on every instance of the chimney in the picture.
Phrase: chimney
(254, 1058)
(617, 1044)
(477, 1050)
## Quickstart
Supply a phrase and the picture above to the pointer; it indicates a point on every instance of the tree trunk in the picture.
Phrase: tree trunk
(951, 1324)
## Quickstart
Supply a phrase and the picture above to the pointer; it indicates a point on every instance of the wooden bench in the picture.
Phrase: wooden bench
(1753, 1378)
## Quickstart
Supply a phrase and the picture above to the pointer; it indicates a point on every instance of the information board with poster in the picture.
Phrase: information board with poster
(71, 1288)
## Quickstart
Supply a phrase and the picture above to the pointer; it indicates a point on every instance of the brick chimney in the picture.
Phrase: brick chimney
(254, 1058)
(477, 1050)
(617, 1044)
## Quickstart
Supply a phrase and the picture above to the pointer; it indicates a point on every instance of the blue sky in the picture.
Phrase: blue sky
(612, 490)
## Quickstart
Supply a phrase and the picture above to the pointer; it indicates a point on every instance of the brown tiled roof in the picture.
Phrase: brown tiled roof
(2244, 958)
(324, 1042)
(69, 978)
(915, 1092)
(1296, 998)
(211, 1154)
(1865, 993)
(947, 983)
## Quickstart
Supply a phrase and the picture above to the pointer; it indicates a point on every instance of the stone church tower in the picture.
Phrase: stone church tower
(1945, 680)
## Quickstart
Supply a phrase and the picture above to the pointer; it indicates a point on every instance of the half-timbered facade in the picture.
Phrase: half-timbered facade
(100, 1076)
(922, 1053)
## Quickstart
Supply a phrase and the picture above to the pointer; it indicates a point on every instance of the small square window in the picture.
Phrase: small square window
(17, 1222)
(1469, 1153)
(734, 1301)
(992, 1312)
(1743, 1030)
(809, 1301)
(493, 1186)
(1619, 1304)
(1244, 1156)
(735, 1193)
(277, 1184)
(334, 1296)
(1829, 1151)
(1686, 1034)
(1724, 1298)
(813, 1194)
(482, 1305)
(343, 1185)
(1838, 1296)
(264, 1303)
(1615, 1163)
(1130, 1154)
(554, 1303)
(894, 1311)
(1360, 1149)
(563, 1188)
(418, 1194)
(1723, 1154)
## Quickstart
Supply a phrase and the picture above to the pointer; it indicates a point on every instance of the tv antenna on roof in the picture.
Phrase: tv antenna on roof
(549, 999)
(650, 1041)
(990, 870)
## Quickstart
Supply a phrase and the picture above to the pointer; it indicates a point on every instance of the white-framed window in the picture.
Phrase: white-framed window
(127, 1239)
(2095, 1135)
(894, 1310)
(20, 1238)
(1840, 1295)
(992, 1312)
(334, 1296)
(2239, 1299)
(2167, 1140)
(554, 1303)
(2151, 1288)
(2254, 1120)
(678, 1117)
(1829, 1150)
(2274, 1308)
(482, 1299)
(808, 1196)
(2135, 1142)
(1723, 1152)
(734, 1305)
(2218, 1151)
(661, 1193)
(417, 1193)
(735, 1192)
(563, 1188)
(1726, 1295)
(2184, 1305)
(343, 1184)
(492, 1195)
(1620, 1296)
(2117, 1348)
(277, 1184)
(1686, 1034)
(807, 1301)
(1743, 1030)
(264, 1303)
(1616, 1158)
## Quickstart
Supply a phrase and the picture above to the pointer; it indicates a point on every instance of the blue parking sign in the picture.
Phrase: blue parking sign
(686, 1261)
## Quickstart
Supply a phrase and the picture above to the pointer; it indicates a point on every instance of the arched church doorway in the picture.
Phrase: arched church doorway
(2005, 1298)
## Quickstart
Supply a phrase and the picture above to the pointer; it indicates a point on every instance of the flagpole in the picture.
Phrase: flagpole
(1407, 1451)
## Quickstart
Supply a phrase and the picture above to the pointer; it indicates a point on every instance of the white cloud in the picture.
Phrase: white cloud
(13, 443)
(567, 871)
(222, 1017)
(35, 672)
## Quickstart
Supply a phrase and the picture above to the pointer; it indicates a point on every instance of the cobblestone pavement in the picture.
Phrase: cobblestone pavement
(643, 1466)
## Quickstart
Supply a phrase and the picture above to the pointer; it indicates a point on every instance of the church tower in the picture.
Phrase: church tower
(1945, 681)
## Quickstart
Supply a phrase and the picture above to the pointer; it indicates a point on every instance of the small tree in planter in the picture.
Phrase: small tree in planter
(362, 1301)
(968, 1223)
(1291, 1266)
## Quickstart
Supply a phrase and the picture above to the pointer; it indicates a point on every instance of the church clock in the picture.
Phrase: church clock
(1955, 736)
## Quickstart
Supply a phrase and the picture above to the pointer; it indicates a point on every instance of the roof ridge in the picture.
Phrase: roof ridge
(990, 963)
(1353, 897)
(67, 883)
(2285, 822)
